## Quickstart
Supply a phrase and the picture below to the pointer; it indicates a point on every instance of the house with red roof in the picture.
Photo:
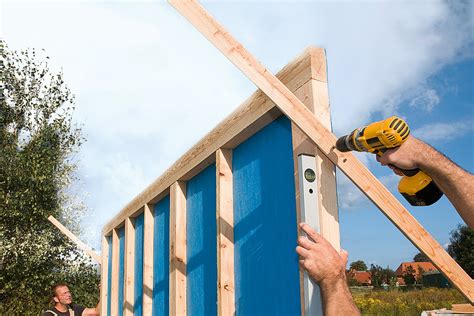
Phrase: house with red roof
(362, 277)
(418, 267)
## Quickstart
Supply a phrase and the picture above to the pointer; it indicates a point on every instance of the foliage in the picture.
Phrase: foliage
(37, 141)
(461, 248)
(382, 276)
(412, 302)
(352, 282)
(409, 276)
(358, 265)
(421, 257)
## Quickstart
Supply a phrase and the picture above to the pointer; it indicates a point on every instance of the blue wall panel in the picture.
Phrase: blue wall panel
(138, 288)
(109, 276)
(266, 265)
(161, 246)
(201, 243)
(121, 235)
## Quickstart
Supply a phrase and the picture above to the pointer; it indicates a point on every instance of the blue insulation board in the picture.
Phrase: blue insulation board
(265, 233)
(109, 275)
(138, 287)
(201, 243)
(161, 267)
(121, 235)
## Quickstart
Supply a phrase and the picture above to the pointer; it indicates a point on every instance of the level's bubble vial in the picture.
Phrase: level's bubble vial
(310, 175)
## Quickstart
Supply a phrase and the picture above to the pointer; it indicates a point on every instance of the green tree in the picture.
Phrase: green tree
(461, 248)
(358, 265)
(419, 275)
(421, 257)
(409, 276)
(37, 143)
(381, 275)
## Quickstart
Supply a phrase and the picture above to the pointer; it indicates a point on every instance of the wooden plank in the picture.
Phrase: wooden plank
(115, 273)
(463, 308)
(178, 248)
(104, 274)
(302, 145)
(148, 260)
(97, 258)
(129, 266)
(225, 232)
(314, 95)
(292, 107)
(255, 113)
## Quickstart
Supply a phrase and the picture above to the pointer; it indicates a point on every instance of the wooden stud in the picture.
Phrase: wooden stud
(292, 107)
(225, 232)
(314, 95)
(129, 267)
(178, 249)
(104, 275)
(148, 259)
(255, 113)
(115, 273)
(97, 258)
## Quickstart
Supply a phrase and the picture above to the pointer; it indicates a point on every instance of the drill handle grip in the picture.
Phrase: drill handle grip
(408, 173)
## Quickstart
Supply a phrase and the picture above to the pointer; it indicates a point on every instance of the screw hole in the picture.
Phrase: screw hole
(310, 190)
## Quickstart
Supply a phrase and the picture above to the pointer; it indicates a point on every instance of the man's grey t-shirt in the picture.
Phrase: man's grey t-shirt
(78, 309)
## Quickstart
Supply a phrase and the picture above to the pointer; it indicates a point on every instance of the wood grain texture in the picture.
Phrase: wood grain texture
(255, 113)
(225, 232)
(178, 248)
(315, 96)
(292, 107)
(148, 260)
(104, 274)
(115, 273)
(88, 250)
(325, 173)
(129, 266)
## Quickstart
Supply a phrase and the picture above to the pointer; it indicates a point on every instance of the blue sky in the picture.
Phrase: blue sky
(138, 68)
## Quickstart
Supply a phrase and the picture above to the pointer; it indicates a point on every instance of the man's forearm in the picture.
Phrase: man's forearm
(455, 182)
(337, 299)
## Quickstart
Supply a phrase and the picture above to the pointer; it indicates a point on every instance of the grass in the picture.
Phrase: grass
(412, 302)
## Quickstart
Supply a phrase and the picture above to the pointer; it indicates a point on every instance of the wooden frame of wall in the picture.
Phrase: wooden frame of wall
(305, 77)
(312, 127)
(302, 74)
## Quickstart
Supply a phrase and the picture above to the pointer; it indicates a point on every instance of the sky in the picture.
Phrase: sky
(148, 86)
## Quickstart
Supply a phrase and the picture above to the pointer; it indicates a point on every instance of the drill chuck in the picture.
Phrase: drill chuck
(343, 145)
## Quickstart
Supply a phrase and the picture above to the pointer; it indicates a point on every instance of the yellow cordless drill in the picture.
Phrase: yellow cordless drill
(416, 186)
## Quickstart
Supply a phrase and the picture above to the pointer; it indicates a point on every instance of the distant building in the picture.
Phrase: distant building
(419, 267)
(435, 279)
(362, 277)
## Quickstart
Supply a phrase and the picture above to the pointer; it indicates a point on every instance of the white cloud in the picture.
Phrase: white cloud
(349, 196)
(443, 131)
(390, 181)
(426, 100)
(149, 86)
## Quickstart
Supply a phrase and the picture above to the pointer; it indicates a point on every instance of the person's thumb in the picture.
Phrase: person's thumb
(344, 256)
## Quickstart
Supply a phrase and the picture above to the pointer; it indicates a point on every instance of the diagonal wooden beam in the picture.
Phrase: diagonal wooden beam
(292, 107)
(75, 239)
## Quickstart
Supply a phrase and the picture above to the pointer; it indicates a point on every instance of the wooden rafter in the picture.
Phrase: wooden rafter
(292, 107)
(75, 239)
